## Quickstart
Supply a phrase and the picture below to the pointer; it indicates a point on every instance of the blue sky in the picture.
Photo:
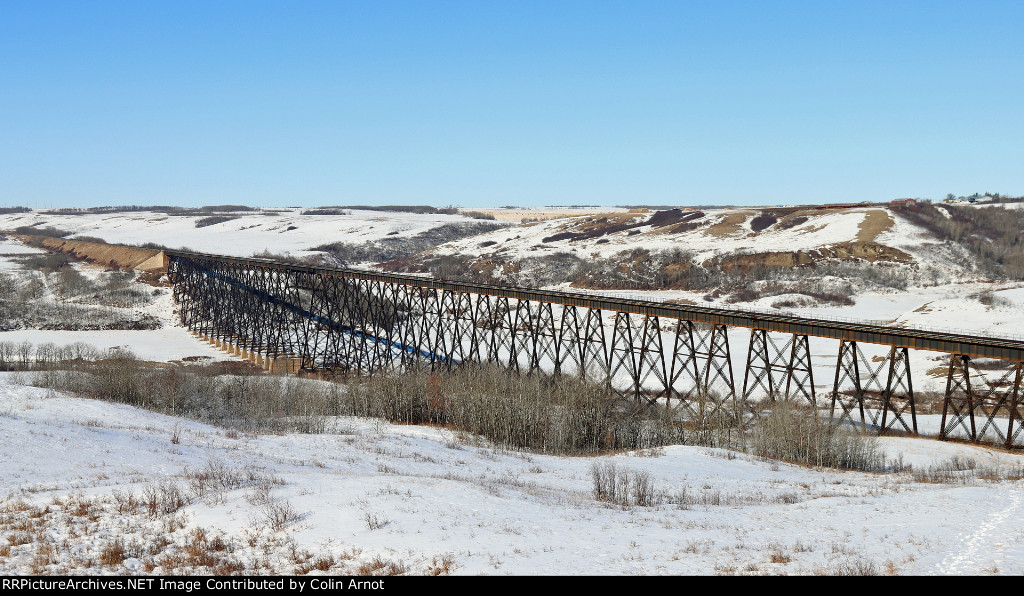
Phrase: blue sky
(485, 103)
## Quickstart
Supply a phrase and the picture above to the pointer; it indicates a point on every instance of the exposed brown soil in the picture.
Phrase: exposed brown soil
(868, 251)
(108, 255)
(595, 227)
(875, 222)
(813, 229)
(730, 225)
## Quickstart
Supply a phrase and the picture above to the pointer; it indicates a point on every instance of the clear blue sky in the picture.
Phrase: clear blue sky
(487, 103)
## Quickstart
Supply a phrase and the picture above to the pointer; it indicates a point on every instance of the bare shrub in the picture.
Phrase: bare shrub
(792, 433)
(247, 400)
(321, 563)
(46, 263)
(113, 553)
(75, 304)
(478, 215)
(621, 485)
(94, 239)
(213, 220)
(277, 515)
(643, 493)
(964, 470)
(396, 247)
(763, 221)
(548, 414)
(163, 498)
(374, 521)
(36, 230)
(116, 377)
(853, 566)
(126, 503)
(378, 566)
(992, 300)
(212, 481)
(70, 282)
(990, 234)
(443, 567)
(324, 211)
(604, 477)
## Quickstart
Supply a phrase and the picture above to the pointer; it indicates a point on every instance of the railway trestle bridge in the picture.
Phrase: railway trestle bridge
(324, 320)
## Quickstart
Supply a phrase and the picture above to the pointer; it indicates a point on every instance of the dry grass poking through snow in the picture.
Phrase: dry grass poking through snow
(148, 532)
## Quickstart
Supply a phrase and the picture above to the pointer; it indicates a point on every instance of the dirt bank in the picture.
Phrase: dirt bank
(109, 255)
(868, 251)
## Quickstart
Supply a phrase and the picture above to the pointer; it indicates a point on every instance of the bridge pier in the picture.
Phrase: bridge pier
(879, 405)
(975, 399)
(283, 364)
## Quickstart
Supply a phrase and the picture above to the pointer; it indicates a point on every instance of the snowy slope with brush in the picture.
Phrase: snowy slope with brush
(93, 487)
(281, 231)
(721, 231)
(371, 497)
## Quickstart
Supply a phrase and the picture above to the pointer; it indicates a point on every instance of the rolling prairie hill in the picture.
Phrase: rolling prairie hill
(93, 486)
(943, 266)
(673, 243)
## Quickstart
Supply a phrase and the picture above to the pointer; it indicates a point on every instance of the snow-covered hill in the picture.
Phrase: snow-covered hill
(370, 497)
(93, 487)
(242, 234)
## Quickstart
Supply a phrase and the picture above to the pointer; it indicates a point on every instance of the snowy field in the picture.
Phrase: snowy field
(92, 487)
(170, 342)
(419, 499)
(523, 241)
(281, 231)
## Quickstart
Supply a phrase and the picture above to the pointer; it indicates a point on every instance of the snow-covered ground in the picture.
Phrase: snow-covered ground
(280, 231)
(170, 342)
(372, 497)
(422, 498)
(11, 250)
(158, 345)
(522, 241)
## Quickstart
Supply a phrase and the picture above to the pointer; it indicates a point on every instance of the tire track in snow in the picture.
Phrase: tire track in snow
(965, 561)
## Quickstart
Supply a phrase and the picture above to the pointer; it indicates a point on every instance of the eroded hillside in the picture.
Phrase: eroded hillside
(918, 264)
(807, 255)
